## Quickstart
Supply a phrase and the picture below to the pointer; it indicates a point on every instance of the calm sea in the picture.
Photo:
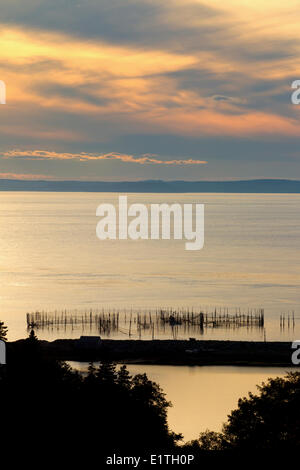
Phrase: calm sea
(51, 259)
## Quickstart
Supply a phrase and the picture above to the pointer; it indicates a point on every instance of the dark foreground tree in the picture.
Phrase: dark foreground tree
(108, 410)
(267, 420)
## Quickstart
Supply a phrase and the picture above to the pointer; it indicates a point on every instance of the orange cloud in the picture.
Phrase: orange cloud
(136, 89)
(210, 122)
(24, 176)
(142, 160)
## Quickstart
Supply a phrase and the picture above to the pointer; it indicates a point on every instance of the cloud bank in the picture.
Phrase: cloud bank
(154, 81)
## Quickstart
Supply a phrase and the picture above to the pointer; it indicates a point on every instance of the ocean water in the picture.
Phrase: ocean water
(51, 259)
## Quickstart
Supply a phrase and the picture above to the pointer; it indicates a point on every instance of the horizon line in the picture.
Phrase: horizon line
(150, 180)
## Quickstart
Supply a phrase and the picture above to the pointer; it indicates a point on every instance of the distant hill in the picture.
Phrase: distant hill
(156, 186)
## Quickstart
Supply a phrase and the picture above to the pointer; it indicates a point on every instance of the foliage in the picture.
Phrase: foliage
(267, 420)
(107, 409)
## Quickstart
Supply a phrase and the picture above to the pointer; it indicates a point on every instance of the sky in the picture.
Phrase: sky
(145, 89)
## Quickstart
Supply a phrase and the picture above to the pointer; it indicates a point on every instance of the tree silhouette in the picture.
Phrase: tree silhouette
(267, 420)
(107, 409)
(32, 338)
(124, 379)
(106, 373)
(91, 369)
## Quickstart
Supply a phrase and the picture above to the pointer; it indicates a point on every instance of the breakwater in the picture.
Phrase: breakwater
(171, 352)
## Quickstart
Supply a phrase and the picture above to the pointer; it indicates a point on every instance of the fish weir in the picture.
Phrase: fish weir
(139, 323)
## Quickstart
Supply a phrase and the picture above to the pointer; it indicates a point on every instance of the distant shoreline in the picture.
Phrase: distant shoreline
(172, 352)
(255, 186)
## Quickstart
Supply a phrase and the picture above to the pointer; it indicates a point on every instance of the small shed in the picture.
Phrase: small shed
(89, 342)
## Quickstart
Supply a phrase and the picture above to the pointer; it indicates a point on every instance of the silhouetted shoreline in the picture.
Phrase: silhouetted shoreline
(172, 352)
(156, 186)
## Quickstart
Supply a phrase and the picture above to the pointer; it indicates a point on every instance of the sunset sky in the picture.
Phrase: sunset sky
(146, 89)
